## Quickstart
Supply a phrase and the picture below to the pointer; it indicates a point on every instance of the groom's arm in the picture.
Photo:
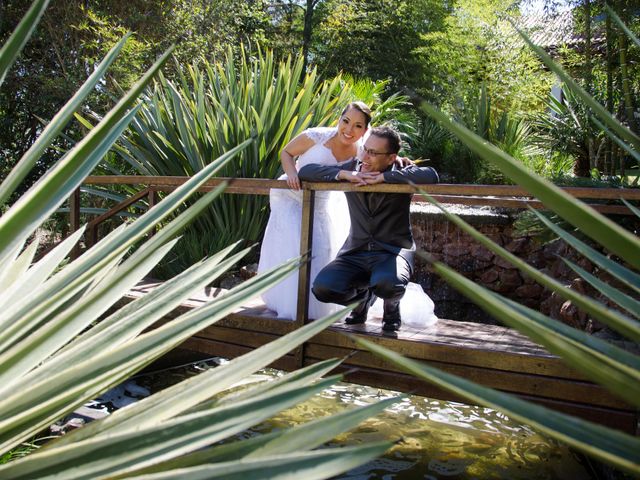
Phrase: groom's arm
(325, 173)
(412, 173)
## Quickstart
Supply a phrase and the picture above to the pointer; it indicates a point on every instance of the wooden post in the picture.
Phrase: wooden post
(304, 274)
(153, 199)
(74, 219)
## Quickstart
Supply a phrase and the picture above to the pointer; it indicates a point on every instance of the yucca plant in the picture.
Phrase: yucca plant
(603, 362)
(500, 128)
(183, 124)
(55, 355)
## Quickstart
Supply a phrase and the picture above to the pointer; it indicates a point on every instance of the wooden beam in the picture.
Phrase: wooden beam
(263, 185)
(304, 274)
(74, 219)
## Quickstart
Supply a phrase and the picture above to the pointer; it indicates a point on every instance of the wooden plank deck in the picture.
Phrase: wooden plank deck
(491, 355)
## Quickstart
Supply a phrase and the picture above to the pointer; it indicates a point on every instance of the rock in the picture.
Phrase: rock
(554, 249)
(481, 253)
(572, 316)
(249, 271)
(585, 264)
(511, 279)
(517, 245)
(230, 281)
(489, 276)
(455, 250)
(531, 290)
(500, 262)
(559, 269)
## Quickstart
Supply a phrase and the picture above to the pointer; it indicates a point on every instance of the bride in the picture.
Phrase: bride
(324, 146)
(320, 145)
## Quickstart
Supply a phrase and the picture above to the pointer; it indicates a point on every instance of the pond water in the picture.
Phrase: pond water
(437, 440)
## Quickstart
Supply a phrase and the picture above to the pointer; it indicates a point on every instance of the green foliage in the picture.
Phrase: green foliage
(500, 128)
(182, 124)
(477, 46)
(375, 38)
(566, 128)
(604, 363)
(56, 355)
(74, 36)
(394, 109)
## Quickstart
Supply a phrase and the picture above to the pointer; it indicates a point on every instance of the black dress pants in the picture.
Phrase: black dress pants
(348, 278)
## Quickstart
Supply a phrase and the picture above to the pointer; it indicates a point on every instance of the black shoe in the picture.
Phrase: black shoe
(391, 317)
(391, 325)
(359, 314)
(356, 318)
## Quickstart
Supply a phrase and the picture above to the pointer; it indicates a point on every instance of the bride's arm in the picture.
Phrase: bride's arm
(296, 147)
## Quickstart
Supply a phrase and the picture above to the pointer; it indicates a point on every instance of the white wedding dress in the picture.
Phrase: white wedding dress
(330, 229)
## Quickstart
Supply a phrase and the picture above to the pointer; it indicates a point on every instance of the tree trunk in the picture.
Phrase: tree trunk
(583, 164)
(608, 157)
(306, 33)
(626, 87)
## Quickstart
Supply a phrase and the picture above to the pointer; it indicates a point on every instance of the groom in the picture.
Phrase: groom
(377, 257)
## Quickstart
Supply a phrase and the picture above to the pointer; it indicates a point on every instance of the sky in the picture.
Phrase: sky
(531, 6)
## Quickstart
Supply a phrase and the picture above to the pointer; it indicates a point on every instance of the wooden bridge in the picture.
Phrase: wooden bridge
(493, 356)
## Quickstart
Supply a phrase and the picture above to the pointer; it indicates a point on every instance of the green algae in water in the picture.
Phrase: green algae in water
(434, 439)
(439, 439)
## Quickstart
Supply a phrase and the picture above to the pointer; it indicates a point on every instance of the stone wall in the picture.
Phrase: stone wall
(448, 244)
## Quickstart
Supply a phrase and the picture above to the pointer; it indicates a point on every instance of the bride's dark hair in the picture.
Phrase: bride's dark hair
(362, 108)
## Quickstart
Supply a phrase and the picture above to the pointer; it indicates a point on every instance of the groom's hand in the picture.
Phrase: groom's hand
(359, 178)
(375, 178)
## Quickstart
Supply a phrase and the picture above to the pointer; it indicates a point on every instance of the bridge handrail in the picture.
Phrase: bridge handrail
(495, 195)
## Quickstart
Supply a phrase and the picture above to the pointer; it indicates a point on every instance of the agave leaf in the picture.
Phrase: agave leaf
(189, 393)
(28, 314)
(38, 273)
(627, 148)
(53, 129)
(226, 452)
(64, 177)
(635, 210)
(308, 465)
(611, 446)
(36, 405)
(17, 268)
(305, 436)
(622, 25)
(131, 320)
(108, 195)
(590, 222)
(629, 278)
(56, 185)
(623, 300)
(34, 349)
(74, 277)
(120, 453)
(618, 378)
(615, 319)
(300, 377)
(13, 46)
(607, 118)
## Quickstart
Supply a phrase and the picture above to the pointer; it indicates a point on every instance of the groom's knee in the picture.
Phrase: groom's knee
(389, 288)
(324, 293)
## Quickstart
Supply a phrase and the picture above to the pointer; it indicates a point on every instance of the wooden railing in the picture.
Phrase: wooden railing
(487, 354)
(476, 195)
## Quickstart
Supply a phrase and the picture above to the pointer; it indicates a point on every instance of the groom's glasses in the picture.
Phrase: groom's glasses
(373, 153)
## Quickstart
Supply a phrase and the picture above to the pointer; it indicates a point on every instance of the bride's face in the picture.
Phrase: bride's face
(352, 126)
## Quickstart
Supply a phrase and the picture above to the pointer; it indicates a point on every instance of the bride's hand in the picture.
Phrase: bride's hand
(293, 181)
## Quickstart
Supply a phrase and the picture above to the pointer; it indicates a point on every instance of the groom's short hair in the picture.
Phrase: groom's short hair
(392, 137)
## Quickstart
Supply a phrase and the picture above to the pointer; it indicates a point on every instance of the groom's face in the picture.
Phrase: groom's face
(376, 155)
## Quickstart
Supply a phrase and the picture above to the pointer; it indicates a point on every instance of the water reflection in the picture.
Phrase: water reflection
(434, 440)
